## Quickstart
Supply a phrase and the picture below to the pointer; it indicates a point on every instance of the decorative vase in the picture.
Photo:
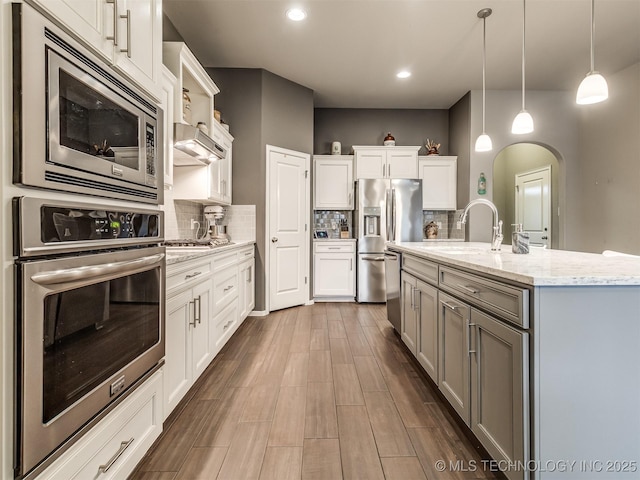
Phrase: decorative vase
(389, 141)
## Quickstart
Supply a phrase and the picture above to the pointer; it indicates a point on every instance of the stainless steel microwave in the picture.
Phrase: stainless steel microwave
(80, 126)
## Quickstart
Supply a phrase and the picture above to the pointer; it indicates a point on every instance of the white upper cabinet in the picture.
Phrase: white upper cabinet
(193, 77)
(139, 38)
(169, 85)
(386, 162)
(333, 182)
(126, 33)
(221, 170)
(439, 182)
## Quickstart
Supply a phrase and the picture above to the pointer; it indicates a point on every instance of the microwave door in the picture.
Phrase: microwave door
(91, 128)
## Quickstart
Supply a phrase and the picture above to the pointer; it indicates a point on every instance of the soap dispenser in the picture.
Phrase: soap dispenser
(519, 239)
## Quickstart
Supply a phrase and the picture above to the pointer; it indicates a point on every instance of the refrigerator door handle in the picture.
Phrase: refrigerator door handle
(393, 215)
(389, 216)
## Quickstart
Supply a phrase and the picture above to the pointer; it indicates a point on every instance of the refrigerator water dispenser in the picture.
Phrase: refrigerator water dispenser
(371, 221)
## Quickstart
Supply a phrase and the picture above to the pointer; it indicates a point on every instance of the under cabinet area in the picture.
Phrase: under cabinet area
(386, 162)
(333, 182)
(334, 270)
(466, 331)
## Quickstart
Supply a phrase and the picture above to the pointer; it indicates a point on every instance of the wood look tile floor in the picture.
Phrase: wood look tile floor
(317, 392)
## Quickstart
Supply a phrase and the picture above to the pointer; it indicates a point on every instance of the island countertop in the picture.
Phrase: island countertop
(541, 267)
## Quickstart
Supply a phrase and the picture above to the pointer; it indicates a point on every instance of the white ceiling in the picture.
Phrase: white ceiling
(349, 51)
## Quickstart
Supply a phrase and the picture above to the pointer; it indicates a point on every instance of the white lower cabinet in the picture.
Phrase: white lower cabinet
(207, 300)
(334, 274)
(113, 448)
(246, 277)
(188, 326)
(427, 345)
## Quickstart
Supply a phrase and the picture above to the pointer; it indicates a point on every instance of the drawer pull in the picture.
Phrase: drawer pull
(448, 305)
(226, 325)
(193, 275)
(228, 288)
(469, 289)
(114, 459)
(334, 248)
(248, 253)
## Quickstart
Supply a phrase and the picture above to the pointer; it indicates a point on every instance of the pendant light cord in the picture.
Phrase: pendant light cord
(484, 66)
(524, 22)
(593, 28)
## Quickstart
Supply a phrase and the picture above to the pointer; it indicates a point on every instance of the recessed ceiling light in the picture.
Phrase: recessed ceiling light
(296, 14)
(403, 74)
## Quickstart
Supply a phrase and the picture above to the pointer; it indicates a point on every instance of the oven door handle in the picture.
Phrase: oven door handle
(93, 271)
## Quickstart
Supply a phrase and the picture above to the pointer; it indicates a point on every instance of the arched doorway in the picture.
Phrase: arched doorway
(516, 161)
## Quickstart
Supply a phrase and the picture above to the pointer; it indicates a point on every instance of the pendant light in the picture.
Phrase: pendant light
(593, 88)
(523, 123)
(483, 142)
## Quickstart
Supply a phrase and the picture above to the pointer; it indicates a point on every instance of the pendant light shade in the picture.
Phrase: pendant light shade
(523, 123)
(483, 143)
(593, 88)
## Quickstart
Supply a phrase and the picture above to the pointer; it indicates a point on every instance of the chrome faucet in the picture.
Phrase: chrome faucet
(496, 238)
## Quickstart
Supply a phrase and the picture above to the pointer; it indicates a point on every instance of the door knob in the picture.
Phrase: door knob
(274, 239)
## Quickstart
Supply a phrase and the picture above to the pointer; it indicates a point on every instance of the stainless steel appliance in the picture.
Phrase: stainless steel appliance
(214, 214)
(89, 301)
(392, 265)
(386, 211)
(79, 126)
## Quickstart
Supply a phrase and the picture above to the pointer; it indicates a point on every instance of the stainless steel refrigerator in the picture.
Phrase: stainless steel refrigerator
(386, 211)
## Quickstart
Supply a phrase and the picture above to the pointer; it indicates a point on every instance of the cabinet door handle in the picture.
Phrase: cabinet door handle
(193, 323)
(469, 289)
(389, 170)
(469, 339)
(115, 22)
(128, 49)
(350, 199)
(416, 302)
(123, 446)
(411, 299)
(199, 317)
(249, 274)
(351, 264)
(383, 170)
(228, 288)
(449, 306)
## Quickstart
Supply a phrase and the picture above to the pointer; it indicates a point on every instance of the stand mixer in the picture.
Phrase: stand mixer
(217, 232)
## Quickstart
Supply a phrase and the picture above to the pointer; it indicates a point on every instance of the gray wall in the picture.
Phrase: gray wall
(353, 126)
(459, 144)
(169, 31)
(261, 108)
(609, 180)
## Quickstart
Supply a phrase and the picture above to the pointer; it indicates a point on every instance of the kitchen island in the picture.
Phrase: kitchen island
(537, 353)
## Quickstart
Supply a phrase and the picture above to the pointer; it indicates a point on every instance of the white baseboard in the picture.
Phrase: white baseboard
(258, 313)
(309, 302)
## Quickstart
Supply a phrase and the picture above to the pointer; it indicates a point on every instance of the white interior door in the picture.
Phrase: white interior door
(288, 236)
(533, 205)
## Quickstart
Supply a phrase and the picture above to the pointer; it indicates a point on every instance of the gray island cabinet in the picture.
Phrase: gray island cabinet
(537, 353)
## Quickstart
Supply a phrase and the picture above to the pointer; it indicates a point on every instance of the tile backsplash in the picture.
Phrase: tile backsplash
(329, 220)
(240, 220)
(447, 221)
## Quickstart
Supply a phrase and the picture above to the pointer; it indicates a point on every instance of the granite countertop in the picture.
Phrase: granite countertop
(540, 267)
(182, 254)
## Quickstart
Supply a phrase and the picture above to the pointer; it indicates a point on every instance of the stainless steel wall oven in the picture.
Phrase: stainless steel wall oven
(89, 318)
(78, 125)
